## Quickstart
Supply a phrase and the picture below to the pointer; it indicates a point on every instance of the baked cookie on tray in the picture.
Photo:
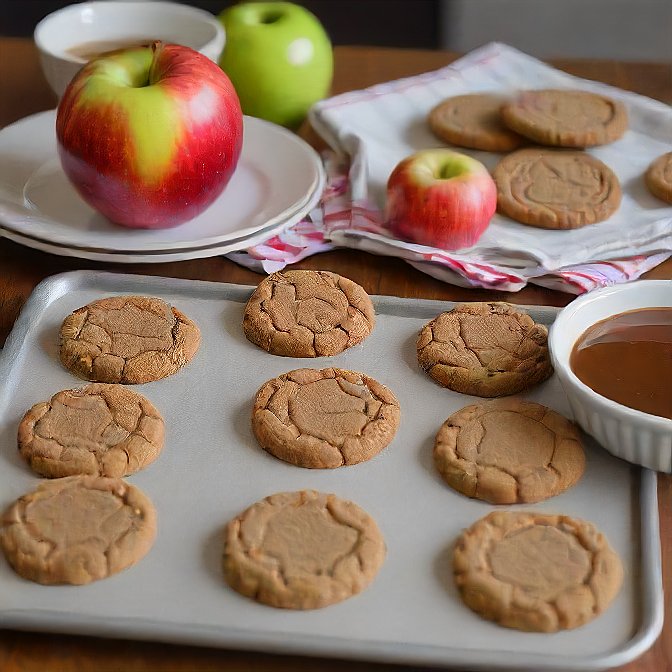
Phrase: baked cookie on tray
(302, 550)
(473, 121)
(77, 529)
(566, 118)
(536, 572)
(100, 429)
(308, 313)
(556, 189)
(485, 349)
(658, 177)
(509, 451)
(322, 419)
(127, 339)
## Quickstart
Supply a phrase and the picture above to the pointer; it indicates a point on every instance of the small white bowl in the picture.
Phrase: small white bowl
(632, 435)
(125, 21)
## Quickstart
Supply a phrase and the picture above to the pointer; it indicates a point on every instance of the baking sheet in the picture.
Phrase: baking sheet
(211, 469)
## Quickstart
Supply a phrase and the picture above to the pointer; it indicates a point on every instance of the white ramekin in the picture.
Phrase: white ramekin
(632, 435)
(120, 20)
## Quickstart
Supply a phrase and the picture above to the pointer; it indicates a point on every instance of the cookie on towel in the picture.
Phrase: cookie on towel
(77, 529)
(302, 550)
(658, 177)
(473, 121)
(100, 429)
(556, 189)
(322, 419)
(536, 572)
(308, 314)
(127, 339)
(484, 349)
(566, 118)
(509, 451)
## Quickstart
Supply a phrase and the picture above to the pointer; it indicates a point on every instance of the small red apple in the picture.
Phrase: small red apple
(150, 136)
(440, 198)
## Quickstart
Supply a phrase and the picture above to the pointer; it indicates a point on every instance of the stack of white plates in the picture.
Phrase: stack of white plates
(278, 181)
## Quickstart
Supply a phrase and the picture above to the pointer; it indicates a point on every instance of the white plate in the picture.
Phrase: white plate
(163, 256)
(277, 175)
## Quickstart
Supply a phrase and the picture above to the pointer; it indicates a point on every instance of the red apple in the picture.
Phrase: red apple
(440, 198)
(150, 136)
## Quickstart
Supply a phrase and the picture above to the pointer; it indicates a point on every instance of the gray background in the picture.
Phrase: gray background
(636, 30)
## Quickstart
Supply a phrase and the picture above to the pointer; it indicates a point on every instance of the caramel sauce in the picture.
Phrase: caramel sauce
(628, 359)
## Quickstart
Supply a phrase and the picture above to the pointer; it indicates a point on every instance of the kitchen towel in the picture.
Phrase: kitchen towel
(371, 130)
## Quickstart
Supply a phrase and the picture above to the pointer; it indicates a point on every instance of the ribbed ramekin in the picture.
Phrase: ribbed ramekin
(632, 435)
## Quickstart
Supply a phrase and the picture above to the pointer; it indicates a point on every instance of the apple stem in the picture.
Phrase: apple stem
(157, 47)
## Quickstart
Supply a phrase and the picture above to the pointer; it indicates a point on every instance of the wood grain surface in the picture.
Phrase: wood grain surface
(24, 91)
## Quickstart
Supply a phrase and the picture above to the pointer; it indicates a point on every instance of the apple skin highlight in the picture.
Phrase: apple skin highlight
(150, 136)
(440, 198)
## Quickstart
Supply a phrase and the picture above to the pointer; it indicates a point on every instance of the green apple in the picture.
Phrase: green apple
(279, 58)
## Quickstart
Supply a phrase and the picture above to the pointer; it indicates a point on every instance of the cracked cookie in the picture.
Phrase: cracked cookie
(534, 572)
(473, 121)
(658, 177)
(485, 349)
(566, 118)
(100, 429)
(307, 314)
(127, 339)
(322, 419)
(509, 451)
(556, 189)
(302, 550)
(77, 529)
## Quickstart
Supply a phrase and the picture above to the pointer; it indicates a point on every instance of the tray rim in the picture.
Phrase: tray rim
(652, 605)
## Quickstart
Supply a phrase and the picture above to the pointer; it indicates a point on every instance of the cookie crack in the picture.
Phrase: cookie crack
(77, 336)
(266, 311)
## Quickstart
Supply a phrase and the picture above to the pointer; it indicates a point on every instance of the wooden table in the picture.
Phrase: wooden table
(24, 91)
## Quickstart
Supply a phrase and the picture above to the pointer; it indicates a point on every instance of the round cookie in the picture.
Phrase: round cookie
(322, 419)
(556, 189)
(509, 451)
(473, 121)
(535, 572)
(302, 550)
(127, 339)
(485, 349)
(658, 177)
(307, 314)
(566, 118)
(100, 429)
(77, 529)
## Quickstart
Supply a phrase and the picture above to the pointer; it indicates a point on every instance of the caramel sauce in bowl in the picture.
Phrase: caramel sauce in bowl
(603, 348)
(628, 359)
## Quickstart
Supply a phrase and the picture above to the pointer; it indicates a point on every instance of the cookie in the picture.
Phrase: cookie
(322, 419)
(127, 339)
(535, 572)
(77, 529)
(556, 189)
(485, 349)
(658, 177)
(100, 429)
(509, 451)
(307, 314)
(302, 550)
(566, 118)
(473, 121)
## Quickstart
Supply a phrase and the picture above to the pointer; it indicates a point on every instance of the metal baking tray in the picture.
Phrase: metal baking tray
(211, 469)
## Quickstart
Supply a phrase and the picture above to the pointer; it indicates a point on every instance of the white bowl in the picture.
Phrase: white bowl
(125, 21)
(633, 435)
